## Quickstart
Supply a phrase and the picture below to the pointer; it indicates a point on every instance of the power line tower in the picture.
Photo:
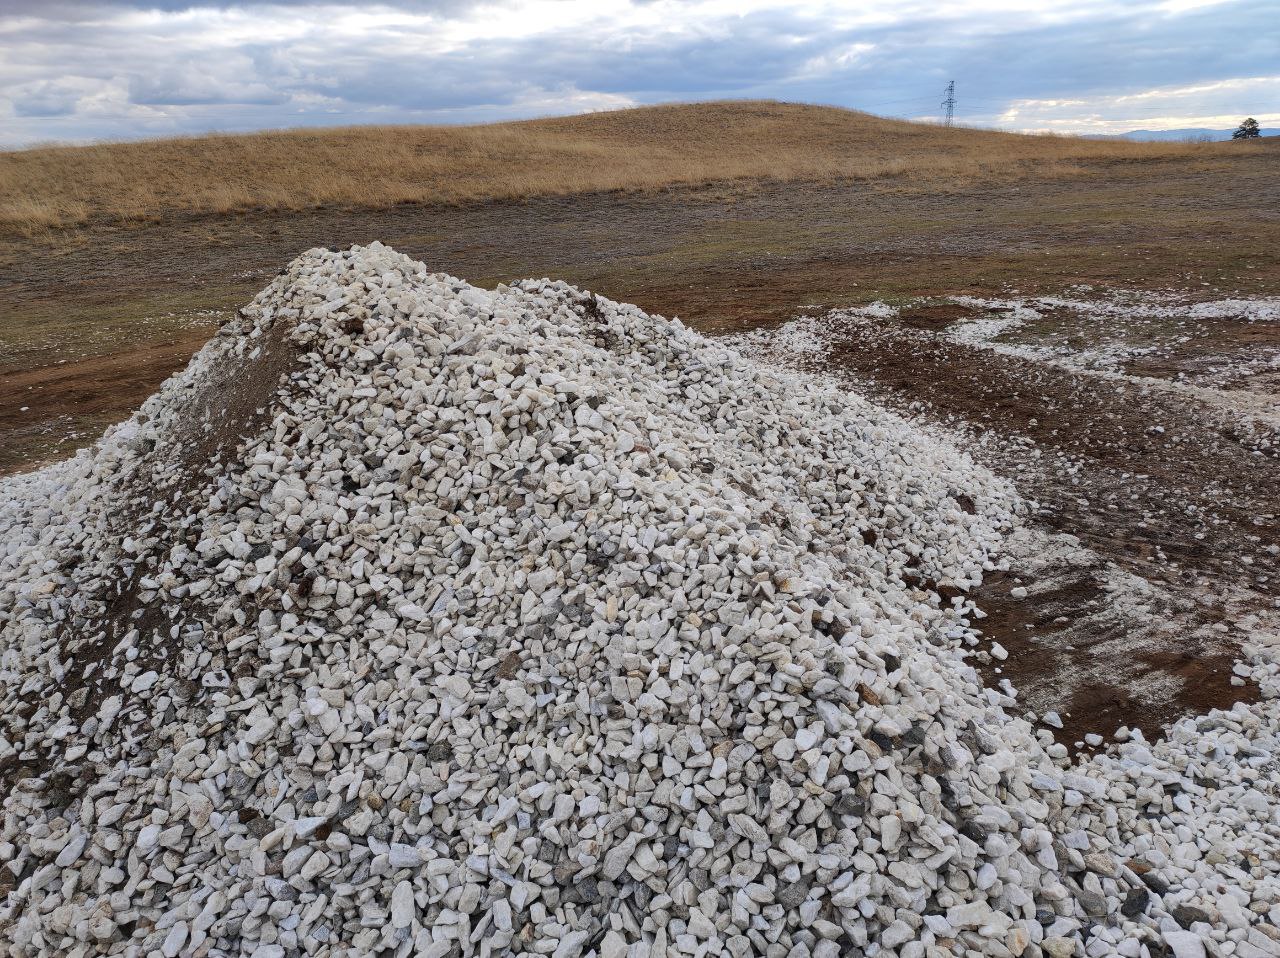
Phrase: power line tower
(949, 103)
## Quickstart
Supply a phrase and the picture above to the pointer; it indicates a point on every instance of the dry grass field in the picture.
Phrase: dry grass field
(644, 149)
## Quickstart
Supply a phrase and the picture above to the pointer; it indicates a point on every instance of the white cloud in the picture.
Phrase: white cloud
(834, 61)
(1217, 105)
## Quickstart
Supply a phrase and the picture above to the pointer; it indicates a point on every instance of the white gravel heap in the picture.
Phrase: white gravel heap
(532, 624)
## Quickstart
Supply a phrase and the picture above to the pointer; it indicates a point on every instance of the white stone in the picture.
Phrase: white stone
(1185, 944)
(523, 621)
(403, 909)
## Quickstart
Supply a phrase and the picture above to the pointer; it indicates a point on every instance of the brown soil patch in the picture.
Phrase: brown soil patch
(1190, 510)
(82, 398)
(1218, 349)
(934, 317)
(1173, 505)
(226, 408)
(1065, 629)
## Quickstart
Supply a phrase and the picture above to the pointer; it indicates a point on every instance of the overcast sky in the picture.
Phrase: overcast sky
(78, 70)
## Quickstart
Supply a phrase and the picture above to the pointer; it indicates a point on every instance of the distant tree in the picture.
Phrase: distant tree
(1246, 130)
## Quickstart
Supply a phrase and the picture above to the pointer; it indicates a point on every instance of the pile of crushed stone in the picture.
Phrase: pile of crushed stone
(525, 623)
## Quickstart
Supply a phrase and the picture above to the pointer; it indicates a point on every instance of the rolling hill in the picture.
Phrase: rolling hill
(639, 149)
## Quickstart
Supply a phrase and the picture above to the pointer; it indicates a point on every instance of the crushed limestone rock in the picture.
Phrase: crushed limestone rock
(526, 623)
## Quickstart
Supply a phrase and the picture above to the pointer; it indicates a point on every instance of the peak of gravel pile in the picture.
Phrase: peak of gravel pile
(521, 622)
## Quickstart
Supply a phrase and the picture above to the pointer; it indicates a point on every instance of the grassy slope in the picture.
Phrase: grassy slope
(648, 148)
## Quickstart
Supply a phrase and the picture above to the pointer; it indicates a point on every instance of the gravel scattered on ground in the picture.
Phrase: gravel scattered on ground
(1168, 500)
(527, 623)
(1216, 351)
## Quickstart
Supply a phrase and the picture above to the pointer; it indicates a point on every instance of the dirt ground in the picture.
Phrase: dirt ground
(89, 326)
(1151, 480)
(721, 259)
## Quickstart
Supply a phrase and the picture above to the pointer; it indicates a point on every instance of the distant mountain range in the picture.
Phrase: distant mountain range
(1189, 133)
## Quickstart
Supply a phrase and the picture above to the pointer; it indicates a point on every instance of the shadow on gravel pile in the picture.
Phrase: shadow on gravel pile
(230, 404)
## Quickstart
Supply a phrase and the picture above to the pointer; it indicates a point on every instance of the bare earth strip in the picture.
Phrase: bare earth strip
(722, 259)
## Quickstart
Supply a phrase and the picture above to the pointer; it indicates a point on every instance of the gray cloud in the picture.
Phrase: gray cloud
(141, 67)
(84, 8)
(47, 98)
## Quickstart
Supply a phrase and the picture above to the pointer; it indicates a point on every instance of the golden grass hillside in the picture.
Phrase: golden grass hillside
(641, 149)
